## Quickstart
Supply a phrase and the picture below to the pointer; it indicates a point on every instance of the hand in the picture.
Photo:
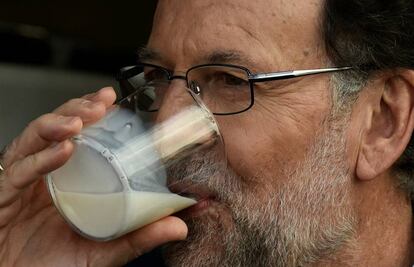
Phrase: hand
(32, 233)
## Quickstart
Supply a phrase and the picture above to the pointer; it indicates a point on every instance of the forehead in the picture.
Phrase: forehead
(272, 32)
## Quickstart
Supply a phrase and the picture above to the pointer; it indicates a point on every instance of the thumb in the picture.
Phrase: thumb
(120, 251)
(158, 233)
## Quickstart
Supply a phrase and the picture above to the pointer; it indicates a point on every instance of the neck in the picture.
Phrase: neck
(385, 235)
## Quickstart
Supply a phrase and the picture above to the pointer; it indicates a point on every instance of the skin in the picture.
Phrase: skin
(279, 35)
(270, 36)
(190, 42)
(29, 223)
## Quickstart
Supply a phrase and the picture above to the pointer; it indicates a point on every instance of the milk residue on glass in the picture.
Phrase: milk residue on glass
(115, 181)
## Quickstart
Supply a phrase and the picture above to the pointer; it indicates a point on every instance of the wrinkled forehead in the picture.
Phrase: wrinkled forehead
(192, 29)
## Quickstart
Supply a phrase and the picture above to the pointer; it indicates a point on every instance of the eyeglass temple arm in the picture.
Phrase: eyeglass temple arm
(263, 77)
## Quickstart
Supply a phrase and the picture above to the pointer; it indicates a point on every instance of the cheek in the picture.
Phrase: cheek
(265, 143)
(261, 148)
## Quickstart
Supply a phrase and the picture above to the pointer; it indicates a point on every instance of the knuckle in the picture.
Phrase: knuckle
(42, 121)
(11, 147)
(74, 101)
(77, 107)
(49, 122)
(68, 106)
(17, 174)
(8, 151)
(34, 163)
(9, 191)
(2, 178)
(8, 175)
(6, 215)
(46, 117)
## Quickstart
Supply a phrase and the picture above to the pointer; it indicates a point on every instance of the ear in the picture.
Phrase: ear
(388, 129)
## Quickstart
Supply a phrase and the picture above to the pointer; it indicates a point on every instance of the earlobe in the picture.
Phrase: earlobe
(388, 130)
(365, 169)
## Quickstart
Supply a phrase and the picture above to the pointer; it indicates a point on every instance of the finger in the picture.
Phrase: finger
(8, 214)
(41, 133)
(90, 108)
(143, 240)
(153, 235)
(89, 111)
(25, 172)
(106, 95)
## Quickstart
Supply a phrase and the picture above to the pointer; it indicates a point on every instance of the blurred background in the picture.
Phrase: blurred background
(51, 51)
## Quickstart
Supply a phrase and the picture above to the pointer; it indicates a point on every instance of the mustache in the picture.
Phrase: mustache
(206, 169)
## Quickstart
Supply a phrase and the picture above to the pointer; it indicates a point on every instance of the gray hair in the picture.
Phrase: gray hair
(372, 36)
(345, 90)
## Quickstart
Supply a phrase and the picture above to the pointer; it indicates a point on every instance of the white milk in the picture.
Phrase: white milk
(104, 216)
(115, 181)
(89, 192)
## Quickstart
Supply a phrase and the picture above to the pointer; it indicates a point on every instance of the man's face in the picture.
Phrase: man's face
(269, 204)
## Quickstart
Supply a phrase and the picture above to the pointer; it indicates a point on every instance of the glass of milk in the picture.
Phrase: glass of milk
(115, 181)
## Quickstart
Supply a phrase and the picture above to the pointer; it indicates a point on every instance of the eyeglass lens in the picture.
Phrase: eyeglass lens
(223, 89)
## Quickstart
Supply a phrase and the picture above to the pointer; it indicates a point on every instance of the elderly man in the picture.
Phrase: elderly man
(319, 162)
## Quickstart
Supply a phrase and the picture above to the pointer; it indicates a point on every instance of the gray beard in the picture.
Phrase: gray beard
(297, 222)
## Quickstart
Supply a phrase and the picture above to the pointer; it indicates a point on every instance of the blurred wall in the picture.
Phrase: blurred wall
(51, 51)
(27, 92)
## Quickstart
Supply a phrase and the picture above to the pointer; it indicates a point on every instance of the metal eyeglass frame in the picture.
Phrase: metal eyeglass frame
(130, 71)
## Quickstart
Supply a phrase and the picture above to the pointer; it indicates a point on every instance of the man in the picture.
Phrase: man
(319, 166)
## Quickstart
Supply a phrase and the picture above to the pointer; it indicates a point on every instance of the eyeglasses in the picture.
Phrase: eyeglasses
(225, 89)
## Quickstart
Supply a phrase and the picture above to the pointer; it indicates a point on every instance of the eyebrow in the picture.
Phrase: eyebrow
(146, 54)
(222, 56)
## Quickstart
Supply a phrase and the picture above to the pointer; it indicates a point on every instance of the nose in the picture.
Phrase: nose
(176, 98)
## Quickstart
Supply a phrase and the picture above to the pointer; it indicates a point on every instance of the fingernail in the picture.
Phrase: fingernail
(96, 94)
(90, 95)
(102, 90)
(86, 103)
(90, 104)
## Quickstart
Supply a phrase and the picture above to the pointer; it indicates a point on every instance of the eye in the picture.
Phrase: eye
(233, 80)
(155, 75)
(229, 79)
